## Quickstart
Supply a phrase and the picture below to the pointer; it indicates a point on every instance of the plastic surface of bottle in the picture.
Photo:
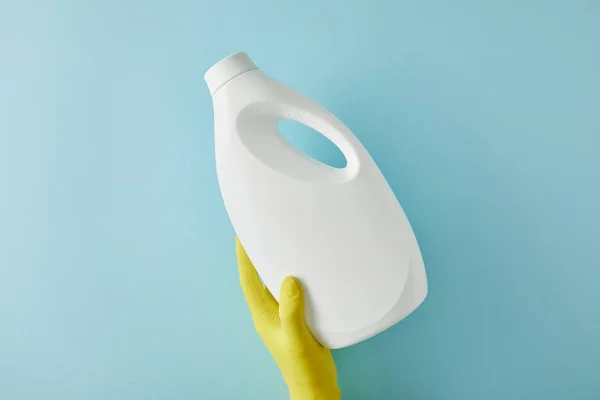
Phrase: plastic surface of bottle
(340, 231)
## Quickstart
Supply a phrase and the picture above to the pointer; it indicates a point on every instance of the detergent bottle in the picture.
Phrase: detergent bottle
(340, 231)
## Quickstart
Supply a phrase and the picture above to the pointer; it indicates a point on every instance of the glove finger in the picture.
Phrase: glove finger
(291, 308)
(263, 306)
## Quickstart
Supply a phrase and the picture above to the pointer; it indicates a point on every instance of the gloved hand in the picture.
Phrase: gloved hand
(307, 367)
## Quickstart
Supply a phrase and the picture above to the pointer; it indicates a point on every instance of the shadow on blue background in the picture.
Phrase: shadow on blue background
(117, 269)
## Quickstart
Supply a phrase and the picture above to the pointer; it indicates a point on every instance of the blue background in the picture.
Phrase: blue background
(117, 266)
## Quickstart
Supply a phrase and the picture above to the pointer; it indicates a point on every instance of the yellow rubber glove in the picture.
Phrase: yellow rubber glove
(307, 367)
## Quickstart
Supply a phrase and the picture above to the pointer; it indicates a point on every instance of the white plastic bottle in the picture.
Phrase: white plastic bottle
(341, 232)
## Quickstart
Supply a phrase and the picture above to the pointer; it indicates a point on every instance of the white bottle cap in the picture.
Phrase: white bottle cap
(227, 69)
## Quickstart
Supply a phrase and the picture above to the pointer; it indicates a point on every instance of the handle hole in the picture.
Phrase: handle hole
(312, 143)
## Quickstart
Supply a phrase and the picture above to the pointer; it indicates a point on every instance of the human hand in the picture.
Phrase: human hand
(307, 367)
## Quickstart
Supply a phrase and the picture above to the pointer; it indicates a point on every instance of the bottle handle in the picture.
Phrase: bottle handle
(311, 114)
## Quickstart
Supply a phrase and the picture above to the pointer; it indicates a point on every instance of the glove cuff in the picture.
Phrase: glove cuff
(316, 393)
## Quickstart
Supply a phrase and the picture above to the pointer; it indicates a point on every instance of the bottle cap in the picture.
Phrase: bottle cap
(227, 69)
